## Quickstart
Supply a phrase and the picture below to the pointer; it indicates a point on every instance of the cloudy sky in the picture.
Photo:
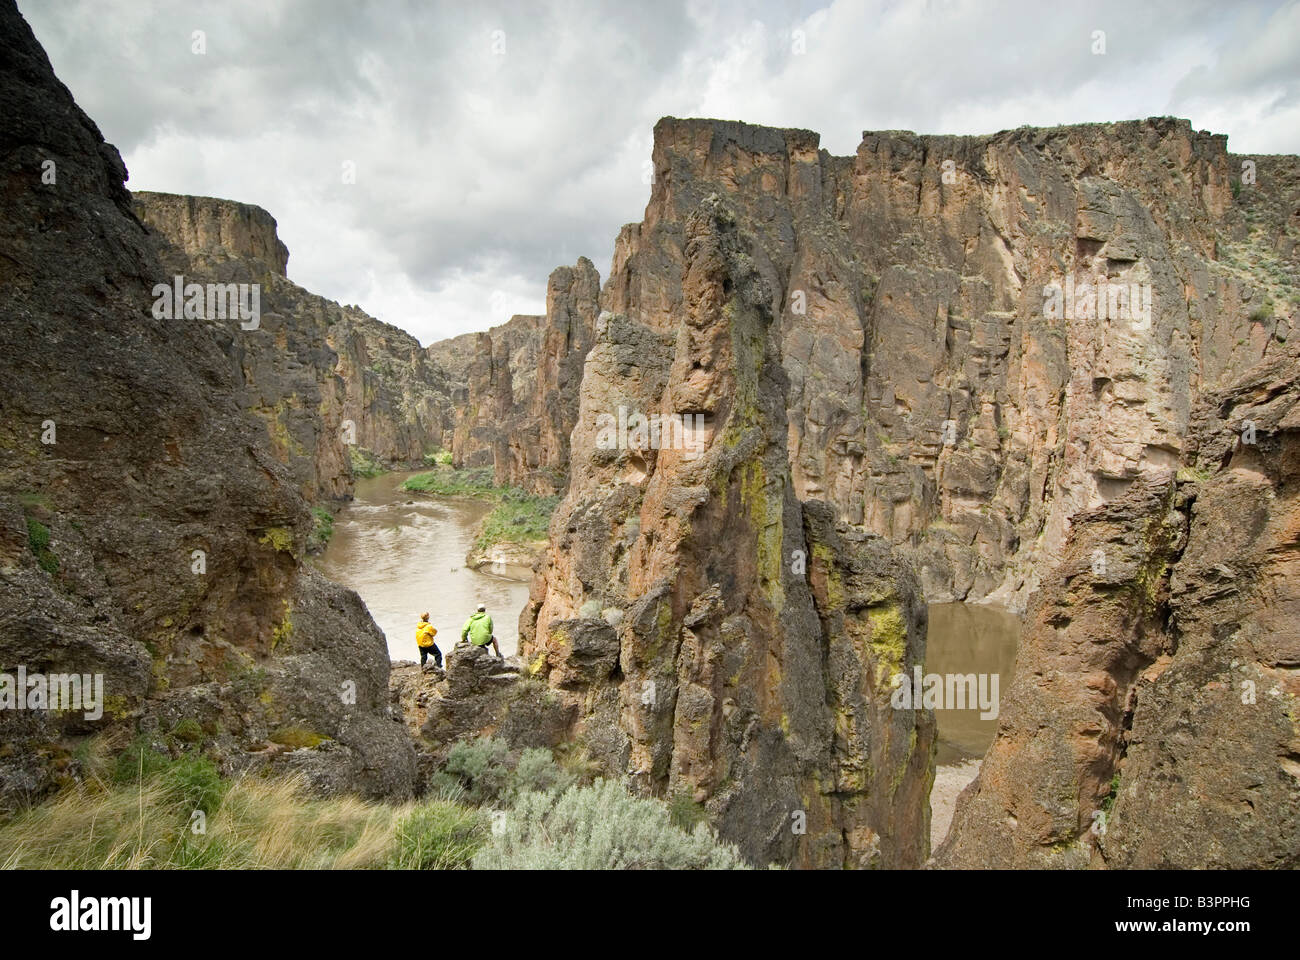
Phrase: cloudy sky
(493, 142)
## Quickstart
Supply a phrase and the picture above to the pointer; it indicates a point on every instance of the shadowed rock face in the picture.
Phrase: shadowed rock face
(1160, 685)
(153, 457)
(323, 377)
(721, 639)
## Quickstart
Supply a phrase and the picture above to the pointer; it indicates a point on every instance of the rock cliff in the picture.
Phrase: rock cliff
(148, 530)
(1154, 720)
(935, 398)
(718, 638)
(324, 377)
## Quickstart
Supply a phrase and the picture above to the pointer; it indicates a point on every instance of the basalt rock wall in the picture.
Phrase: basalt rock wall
(149, 530)
(520, 398)
(937, 397)
(718, 638)
(1154, 720)
(329, 381)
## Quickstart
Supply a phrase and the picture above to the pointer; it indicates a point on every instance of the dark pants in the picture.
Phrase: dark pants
(433, 649)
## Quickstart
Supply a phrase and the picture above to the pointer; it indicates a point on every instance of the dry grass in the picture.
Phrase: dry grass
(258, 824)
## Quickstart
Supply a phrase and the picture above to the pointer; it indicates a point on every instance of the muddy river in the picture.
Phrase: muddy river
(404, 554)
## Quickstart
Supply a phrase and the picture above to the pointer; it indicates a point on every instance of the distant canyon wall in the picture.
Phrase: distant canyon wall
(519, 402)
(323, 377)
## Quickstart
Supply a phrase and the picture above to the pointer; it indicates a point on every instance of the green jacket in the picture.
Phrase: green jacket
(478, 629)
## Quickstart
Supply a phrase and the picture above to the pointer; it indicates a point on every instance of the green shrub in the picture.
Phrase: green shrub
(322, 528)
(439, 457)
(38, 541)
(138, 762)
(297, 737)
(480, 768)
(193, 783)
(537, 772)
(438, 835)
(483, 771)
(188, 730)
(685, 813)
(600, 827)
(364, 463)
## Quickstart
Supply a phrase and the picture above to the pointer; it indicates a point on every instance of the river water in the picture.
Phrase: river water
(404, 554)
(968, 638)
(964, 639)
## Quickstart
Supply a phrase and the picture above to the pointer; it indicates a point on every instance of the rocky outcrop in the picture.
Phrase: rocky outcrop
(1155, 716)
(148, 530)
(935, 399)
(716, 637)
(520, 400)
(326, 379)
(478, 695)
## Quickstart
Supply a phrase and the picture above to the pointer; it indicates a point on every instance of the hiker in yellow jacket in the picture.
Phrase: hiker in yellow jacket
(424, 634)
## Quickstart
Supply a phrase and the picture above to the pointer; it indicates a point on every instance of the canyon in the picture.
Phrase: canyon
(885, 408)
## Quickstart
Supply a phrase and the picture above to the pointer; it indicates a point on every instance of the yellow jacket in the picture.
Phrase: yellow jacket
(424, 633)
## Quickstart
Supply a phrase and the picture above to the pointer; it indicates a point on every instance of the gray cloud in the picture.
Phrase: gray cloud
(485, 159)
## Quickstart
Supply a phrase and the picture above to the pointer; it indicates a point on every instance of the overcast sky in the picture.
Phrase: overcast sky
(494, 142)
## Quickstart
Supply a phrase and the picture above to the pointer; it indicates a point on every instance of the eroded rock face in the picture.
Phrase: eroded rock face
(1158, 691)
(720, 638)
(933, 398)
(323, 377)
(520, 399)
(128, 447)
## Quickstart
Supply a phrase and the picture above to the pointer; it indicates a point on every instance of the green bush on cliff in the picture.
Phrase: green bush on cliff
(364, 463)
(322, 528)
(600, 827)
(38, 541)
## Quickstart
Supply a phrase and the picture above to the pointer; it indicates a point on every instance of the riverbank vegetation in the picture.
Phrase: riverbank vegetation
(518, 517)
(447, 481)
(488, 807)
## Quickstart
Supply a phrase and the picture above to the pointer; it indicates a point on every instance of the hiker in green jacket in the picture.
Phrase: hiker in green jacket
(478, 630)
